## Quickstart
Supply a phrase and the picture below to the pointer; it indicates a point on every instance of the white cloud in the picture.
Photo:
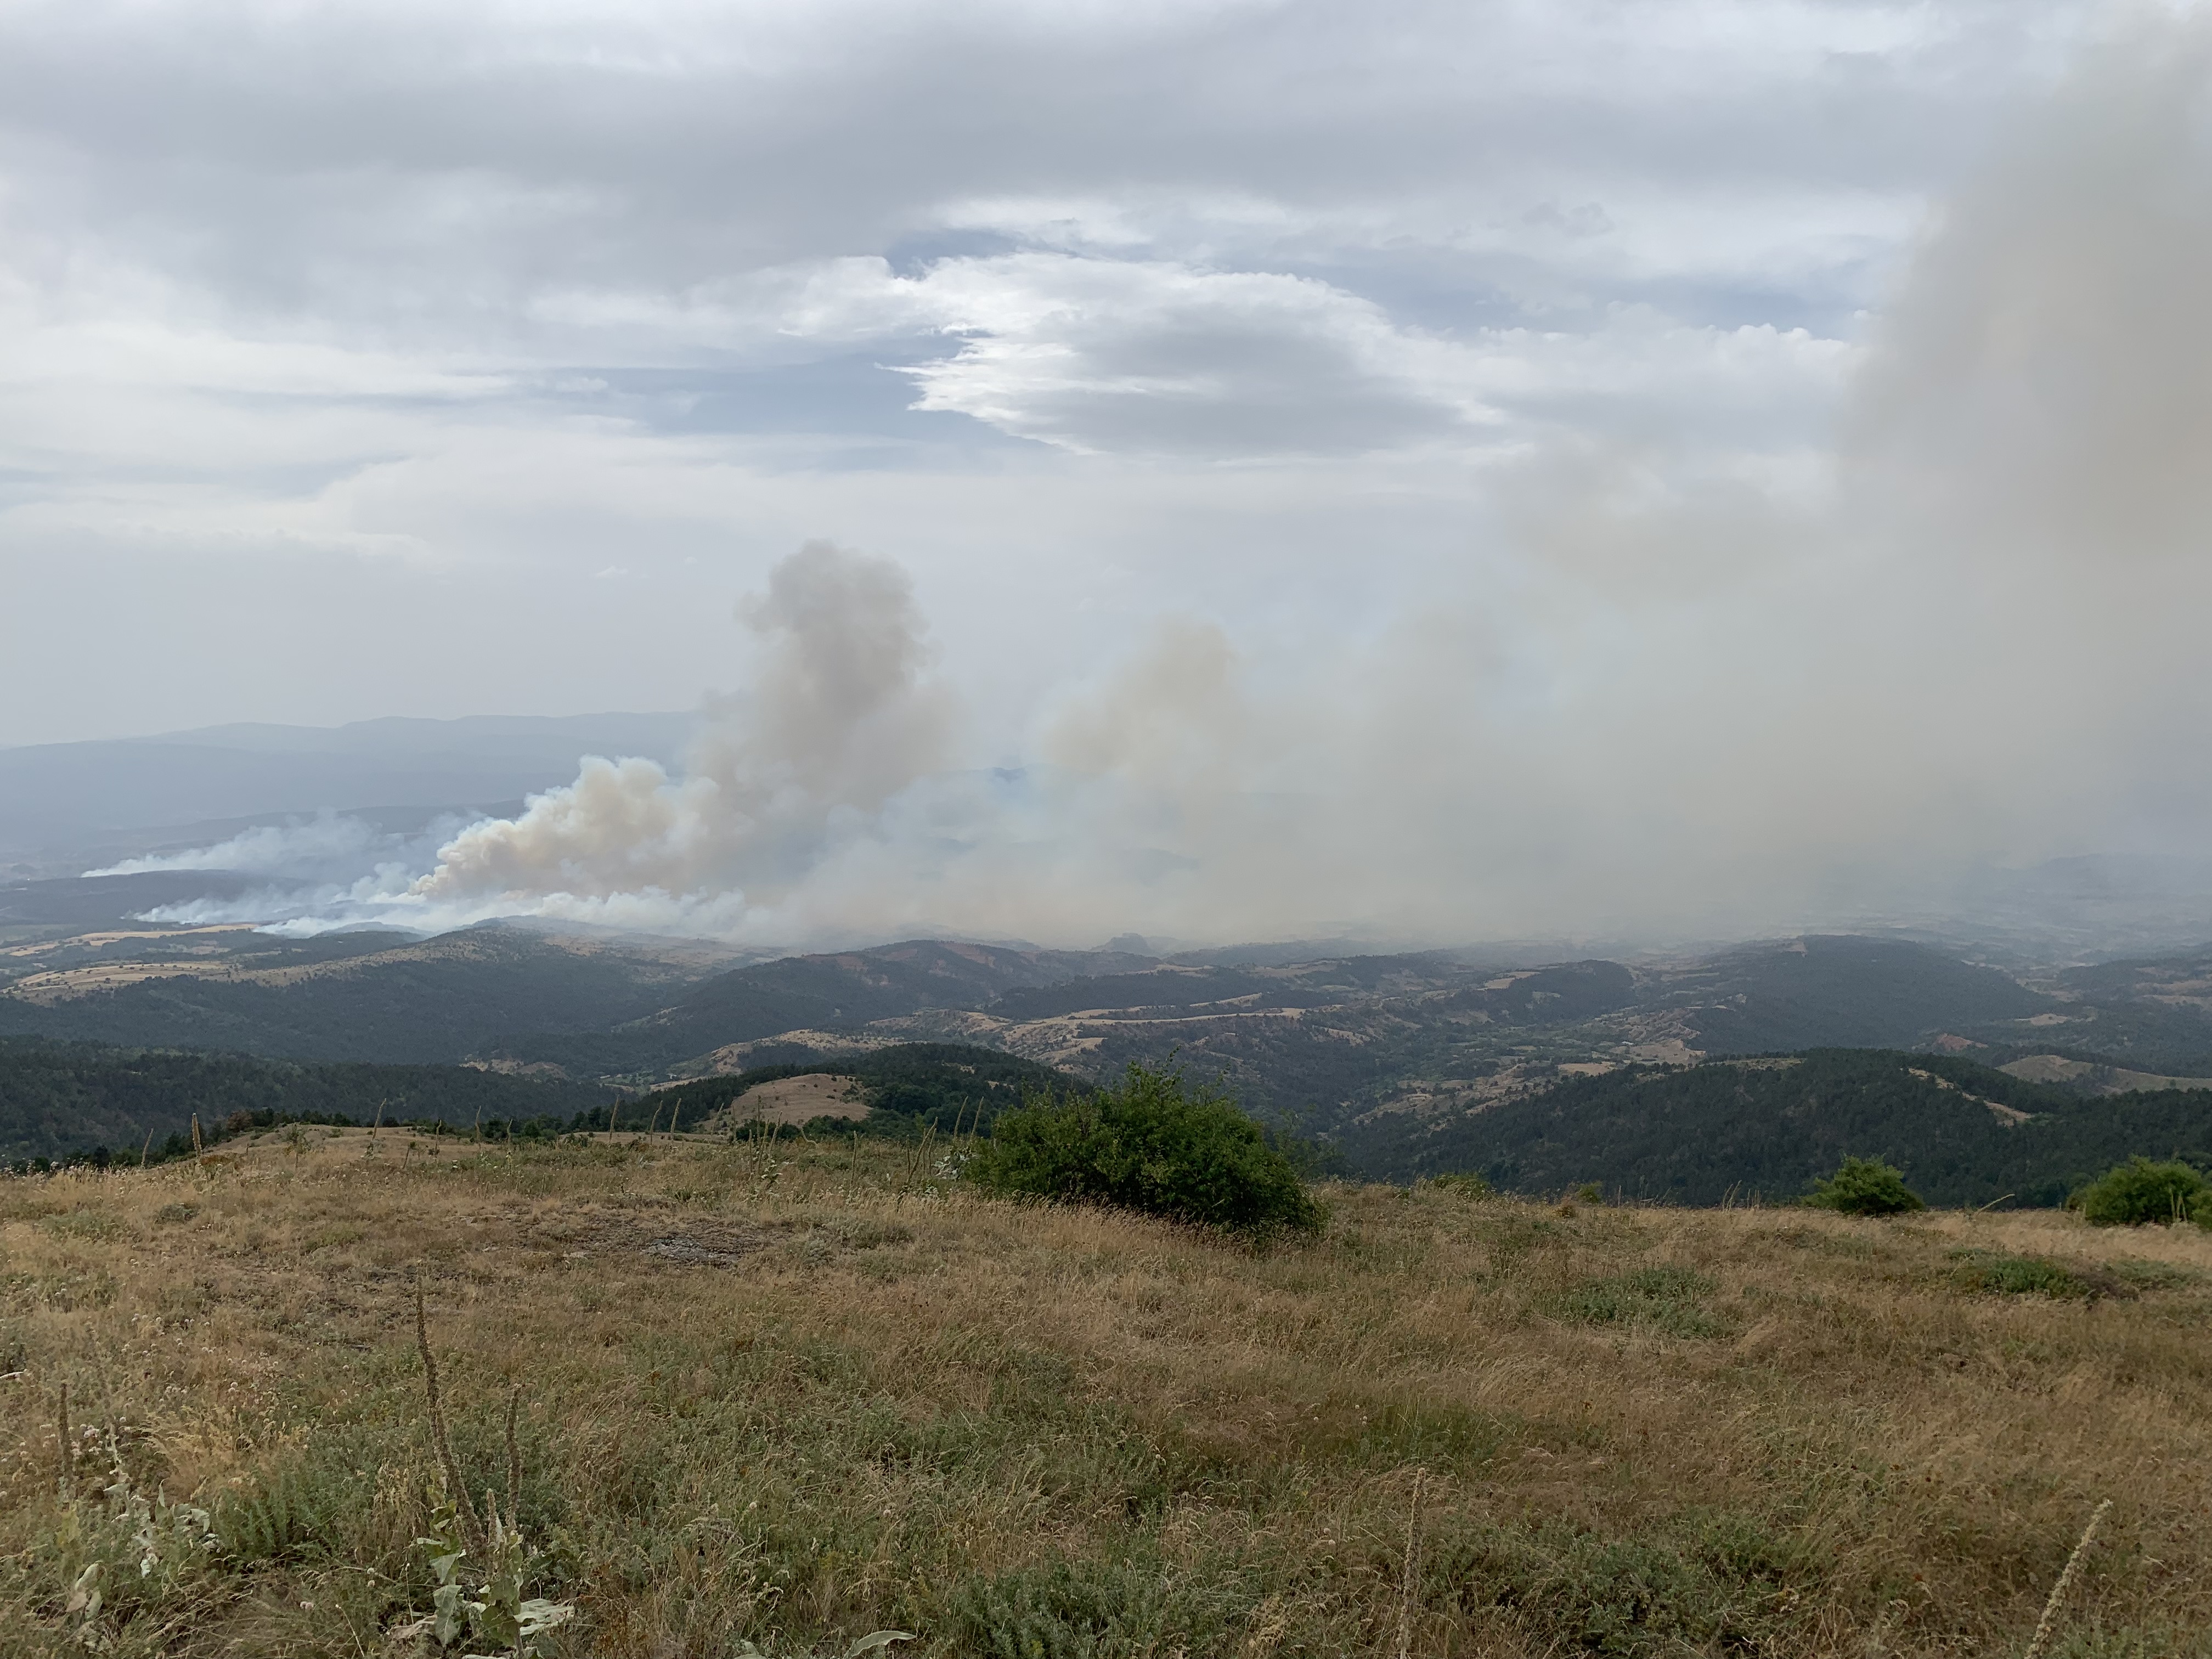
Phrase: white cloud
(1097, 354)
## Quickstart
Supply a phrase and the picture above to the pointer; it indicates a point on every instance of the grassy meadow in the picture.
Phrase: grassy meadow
(789, 1395)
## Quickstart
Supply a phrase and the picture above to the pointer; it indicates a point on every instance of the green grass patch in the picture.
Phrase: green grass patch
(1668, 1299)
(1130, 1607)
(1996, 1274)
(1709, 1583)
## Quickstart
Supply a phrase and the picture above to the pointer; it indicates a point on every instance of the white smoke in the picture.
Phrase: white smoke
(321, 847)
(321, 874)
(1673, 697)
(839, 720)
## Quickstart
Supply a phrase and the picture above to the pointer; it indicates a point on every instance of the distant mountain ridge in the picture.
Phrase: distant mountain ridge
(58, 1098)
(1365, 1050)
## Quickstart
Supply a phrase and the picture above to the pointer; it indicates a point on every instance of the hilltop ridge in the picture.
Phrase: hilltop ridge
(1378, 1054)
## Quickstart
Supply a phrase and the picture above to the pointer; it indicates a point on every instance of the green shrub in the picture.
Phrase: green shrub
(1865, 1186)
(1151, 1145)
(2140, 1191)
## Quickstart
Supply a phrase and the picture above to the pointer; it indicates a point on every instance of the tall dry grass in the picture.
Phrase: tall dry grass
(790, 1394)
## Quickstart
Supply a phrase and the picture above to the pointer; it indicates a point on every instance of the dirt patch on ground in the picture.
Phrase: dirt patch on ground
(689, 1242)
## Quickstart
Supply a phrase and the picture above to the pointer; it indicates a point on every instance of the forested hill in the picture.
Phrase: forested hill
(945, 1086)
(58, 1098)
(1765, 1129)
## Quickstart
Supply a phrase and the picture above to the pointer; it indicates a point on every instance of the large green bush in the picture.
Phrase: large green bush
(1153, 1145)
(2140, 1191)
(1865, 1186)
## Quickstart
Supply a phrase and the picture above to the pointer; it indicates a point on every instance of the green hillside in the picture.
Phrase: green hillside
(939, 1084)
(60, 1098)
(1839, 991)
(839, 992)
(1765, 1129)
(433, 1001)
(1372, 1053)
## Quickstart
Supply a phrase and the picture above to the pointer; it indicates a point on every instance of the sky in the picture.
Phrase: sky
(1219, 468)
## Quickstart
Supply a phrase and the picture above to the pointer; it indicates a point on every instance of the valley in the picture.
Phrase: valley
(1378, 1055)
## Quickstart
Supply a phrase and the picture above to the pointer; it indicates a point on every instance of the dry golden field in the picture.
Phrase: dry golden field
(791, 1396)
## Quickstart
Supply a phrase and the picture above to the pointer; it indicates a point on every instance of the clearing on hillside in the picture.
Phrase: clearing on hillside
(799, 1100)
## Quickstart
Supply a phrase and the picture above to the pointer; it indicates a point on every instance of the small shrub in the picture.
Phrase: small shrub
(1865, 1186)
(482, 1602)
(2139, 1191)
(1151, 1145)
(121, 1570)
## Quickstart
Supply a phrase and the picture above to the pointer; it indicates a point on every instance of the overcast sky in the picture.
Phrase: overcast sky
(443, 359)
(359, 359)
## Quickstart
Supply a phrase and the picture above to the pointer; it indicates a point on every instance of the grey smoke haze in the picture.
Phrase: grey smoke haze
(1683, 470)
(1970, 638)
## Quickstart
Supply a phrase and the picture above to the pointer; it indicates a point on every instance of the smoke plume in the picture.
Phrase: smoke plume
(839, 720)
(1664, 698)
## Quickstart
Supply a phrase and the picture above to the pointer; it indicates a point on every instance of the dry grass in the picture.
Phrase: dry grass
(790, 1100)
(795, 1398)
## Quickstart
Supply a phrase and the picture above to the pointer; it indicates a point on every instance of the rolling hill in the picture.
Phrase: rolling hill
(359, 997)
(1379, 1053)
(1765, 1129)
(1828, 991)
(945, 1086)
(61, 1098)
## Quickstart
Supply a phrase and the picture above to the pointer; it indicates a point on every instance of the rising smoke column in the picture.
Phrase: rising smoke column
(840, 720)
(1668, 705)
